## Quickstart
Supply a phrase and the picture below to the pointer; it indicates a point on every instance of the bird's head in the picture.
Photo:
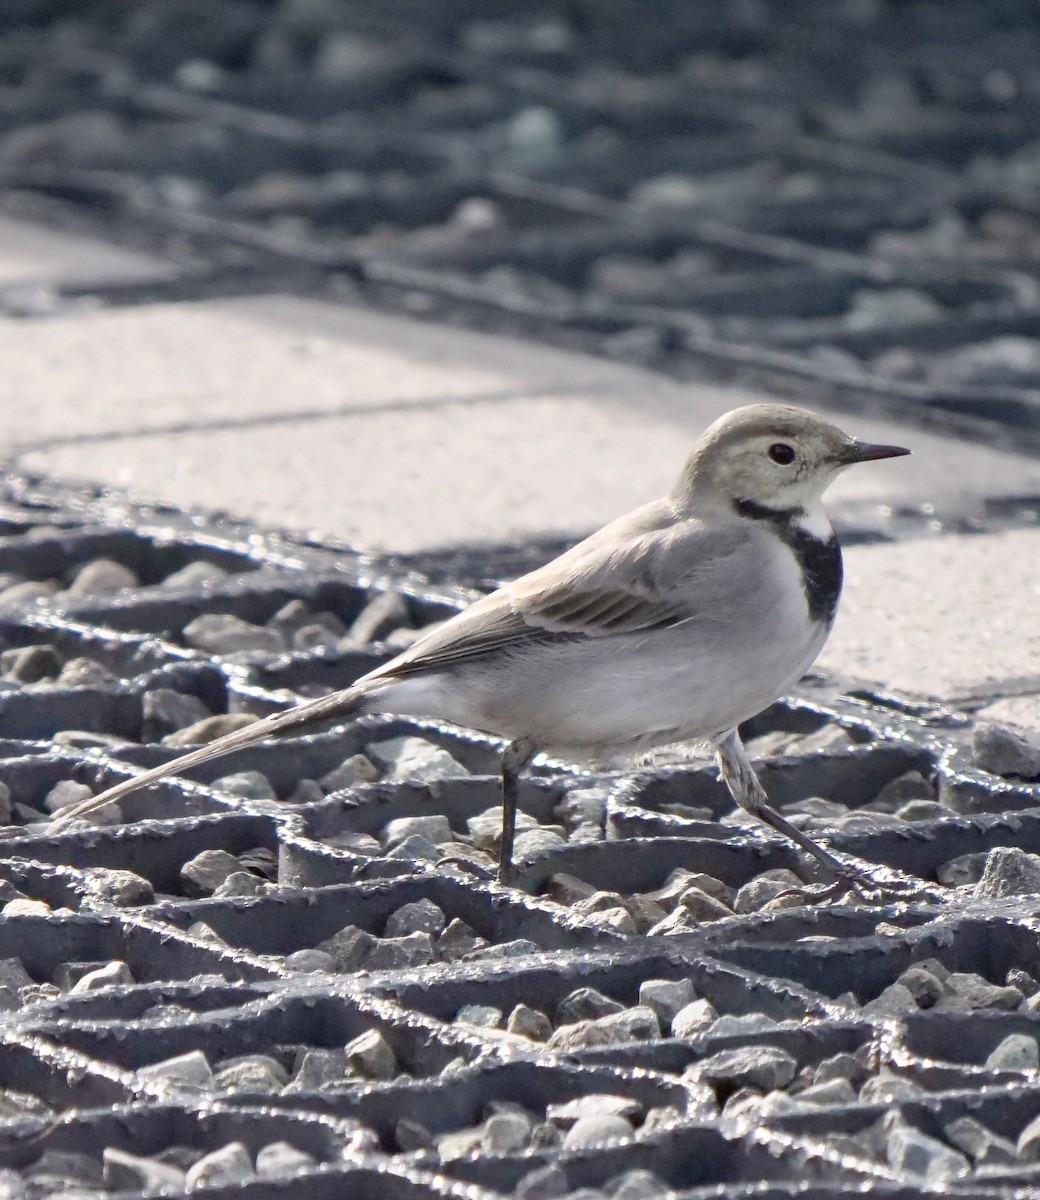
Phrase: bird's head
(774, 455)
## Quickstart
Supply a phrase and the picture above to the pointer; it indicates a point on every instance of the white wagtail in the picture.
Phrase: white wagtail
(676, 622)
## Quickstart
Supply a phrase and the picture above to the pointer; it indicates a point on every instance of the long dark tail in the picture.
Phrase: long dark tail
(338, 705)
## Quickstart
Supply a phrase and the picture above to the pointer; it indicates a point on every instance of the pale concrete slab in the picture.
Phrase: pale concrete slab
(432, 474)
(31, 255)
(951, 617)
(117, 372)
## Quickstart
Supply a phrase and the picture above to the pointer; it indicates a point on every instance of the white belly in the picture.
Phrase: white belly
(690, 681)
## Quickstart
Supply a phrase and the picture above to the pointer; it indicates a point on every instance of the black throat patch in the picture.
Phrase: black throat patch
(818, 560)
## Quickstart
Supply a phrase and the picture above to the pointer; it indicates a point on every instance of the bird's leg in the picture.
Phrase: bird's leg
(515, 757)
(739, 777)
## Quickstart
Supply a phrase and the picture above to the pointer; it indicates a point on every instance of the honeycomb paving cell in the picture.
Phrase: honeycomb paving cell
(138, 1148)
(307, 1046)
(30, 782)
(378, 926)
(157, 861)
(74, 565)
(987, 1139)
(983, 957)
(370, 827)
(593, 998)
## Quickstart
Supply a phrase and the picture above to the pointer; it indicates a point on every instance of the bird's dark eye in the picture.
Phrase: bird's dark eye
(782, 453)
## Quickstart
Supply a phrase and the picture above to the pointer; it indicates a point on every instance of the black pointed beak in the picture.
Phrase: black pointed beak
(859, 452)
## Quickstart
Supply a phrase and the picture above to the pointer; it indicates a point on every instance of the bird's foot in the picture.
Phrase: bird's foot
(469, 865)
(882, 887)
(504, 876)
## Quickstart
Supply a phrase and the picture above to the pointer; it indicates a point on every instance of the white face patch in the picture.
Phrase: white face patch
(815, 523)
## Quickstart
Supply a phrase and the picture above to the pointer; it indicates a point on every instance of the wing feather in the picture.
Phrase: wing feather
(630, 579)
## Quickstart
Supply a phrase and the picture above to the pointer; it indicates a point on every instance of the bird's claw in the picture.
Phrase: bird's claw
(470, 865)
(863, 885)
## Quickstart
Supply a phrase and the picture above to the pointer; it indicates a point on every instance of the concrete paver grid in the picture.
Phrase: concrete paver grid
(114, 373)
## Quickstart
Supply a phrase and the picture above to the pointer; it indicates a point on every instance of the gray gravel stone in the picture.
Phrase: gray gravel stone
(415, 760)
(253, 785)
(632, 1025)
(517, 948)
(372, 1056)
(897, 792)
(128, 1172)
(926, 988)
(530, 1023)
(85, 672)
(763, 888)
(230, 1164)
(25, 908)
(696, 1017)
(598, 1104)
(358, 768)
(320, 1070)
(125, 889)
(763, 1067)
(458, 940)
(195, 575)
(582, 806)
(113, 974)
(310, 961)
(20, 596)
(222, 633)
(546, 1183)
(981, 1144)
(1005, 751)
(203, 874)
(585, 1004)
(486, 828)
(485, 1016)
(534, 843)
(281, 1159)
(889, 1089)
(30, 664)
(595, 1131)
(252, 1073)
(379, 616)
(209, 729)
(101, 577)
(1009, 872)
(923, 810)
(349, 948)
(434, 828)
(65, 793)
(730, 1024)
(640, 1185)
(910, 1150)
(460, 1143)
(417, 849)
(894, 1001)
(666, 997)
(241, 883)
(699, 908)
(164, 711)
(833, 1091)
(1017, 1052)
(966, 991)
(190, 1070)
(400, 953)
(1028, 1145)
(422, 916)
(13, 977)
(506, 1132)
